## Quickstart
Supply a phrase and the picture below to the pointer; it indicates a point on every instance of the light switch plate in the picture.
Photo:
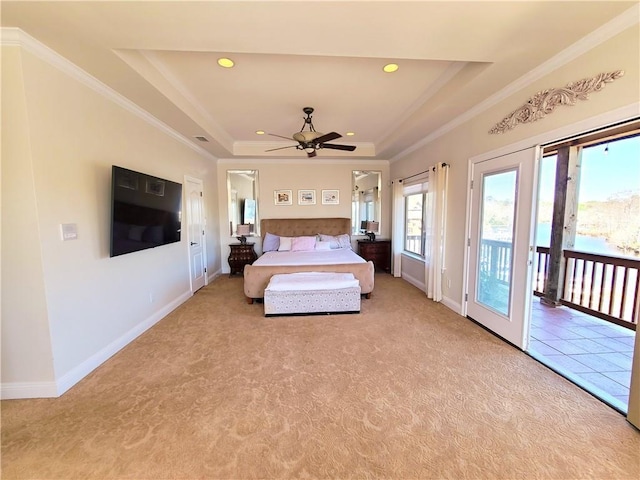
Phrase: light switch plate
(69, 231)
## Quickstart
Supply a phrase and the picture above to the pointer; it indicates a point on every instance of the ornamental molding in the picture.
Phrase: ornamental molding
(545, 101)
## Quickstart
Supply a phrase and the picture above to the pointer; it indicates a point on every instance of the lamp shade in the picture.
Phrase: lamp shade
(243, 229)
(373, 226)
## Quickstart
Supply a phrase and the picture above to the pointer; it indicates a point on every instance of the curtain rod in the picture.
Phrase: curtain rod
(420, 173)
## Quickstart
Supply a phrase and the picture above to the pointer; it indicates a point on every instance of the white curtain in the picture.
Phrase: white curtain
(397, 233)
(436, 213)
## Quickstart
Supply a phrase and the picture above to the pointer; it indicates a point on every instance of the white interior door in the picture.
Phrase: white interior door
(501, 244)
(195, 233)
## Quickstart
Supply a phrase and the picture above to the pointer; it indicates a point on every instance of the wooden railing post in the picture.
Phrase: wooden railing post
(563, 225)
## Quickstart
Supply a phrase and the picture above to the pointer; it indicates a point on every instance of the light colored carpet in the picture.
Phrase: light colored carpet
(405, 390)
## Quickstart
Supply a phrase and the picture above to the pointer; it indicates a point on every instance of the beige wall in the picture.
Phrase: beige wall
(472, 138)
(304, 174)
(58, 148)
(26, 340)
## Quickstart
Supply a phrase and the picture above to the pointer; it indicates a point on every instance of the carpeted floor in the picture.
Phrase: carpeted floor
(405, 390)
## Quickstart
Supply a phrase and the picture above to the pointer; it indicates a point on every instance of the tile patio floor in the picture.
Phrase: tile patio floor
(594, 354)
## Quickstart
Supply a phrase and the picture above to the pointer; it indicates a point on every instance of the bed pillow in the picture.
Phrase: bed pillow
(303, 244)
(285, 244)
(344, 241)
(271, 242)
(333, 241)
(320, 245)
(339, 241)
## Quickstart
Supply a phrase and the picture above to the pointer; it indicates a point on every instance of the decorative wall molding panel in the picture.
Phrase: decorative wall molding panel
(545, 101)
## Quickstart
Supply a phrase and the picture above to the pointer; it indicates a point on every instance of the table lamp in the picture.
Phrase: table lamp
(242, 231)
(372, 228)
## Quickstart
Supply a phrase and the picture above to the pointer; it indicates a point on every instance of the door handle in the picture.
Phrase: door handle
(193, 243)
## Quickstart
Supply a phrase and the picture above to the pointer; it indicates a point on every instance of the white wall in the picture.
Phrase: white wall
(303, 174)
(70, 306)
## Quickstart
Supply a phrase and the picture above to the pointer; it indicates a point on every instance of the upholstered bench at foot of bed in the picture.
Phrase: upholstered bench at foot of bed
(312, 293)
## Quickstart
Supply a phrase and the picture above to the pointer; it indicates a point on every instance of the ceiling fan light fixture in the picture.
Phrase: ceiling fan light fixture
(306, 136)
(259, 132)
(309, 149)
(350, 134)
(390, 67)
(225, 62)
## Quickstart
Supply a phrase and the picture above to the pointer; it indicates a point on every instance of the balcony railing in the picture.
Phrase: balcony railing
(604, 286)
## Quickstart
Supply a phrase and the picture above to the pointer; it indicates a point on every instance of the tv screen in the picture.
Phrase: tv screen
(145, 211)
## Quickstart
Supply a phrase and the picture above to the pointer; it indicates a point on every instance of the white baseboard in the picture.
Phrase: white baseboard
(72, 377)
(447, 302)
(55, 389)
(452, 304)
(414, 281)
(17, 390)
(212, 276)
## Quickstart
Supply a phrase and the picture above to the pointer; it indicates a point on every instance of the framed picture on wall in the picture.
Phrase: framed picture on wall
(306, 197)
(330, 197)
(282, 197)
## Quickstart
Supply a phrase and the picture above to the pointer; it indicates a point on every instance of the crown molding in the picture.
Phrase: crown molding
(625, 20)
(251, 162)
(220, 134)
(15, 37)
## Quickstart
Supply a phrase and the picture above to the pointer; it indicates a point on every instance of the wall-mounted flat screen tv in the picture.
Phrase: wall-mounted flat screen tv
(145, 211)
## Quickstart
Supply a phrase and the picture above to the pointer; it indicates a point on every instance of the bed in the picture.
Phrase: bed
(257, 276)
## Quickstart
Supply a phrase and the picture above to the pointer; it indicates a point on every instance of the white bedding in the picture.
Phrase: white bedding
(308, 281)
(316, 257)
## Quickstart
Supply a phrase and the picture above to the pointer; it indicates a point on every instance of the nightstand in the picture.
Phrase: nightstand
(378, 251)
(241, 254)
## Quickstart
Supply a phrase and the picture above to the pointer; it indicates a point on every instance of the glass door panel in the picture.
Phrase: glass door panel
(497, 211)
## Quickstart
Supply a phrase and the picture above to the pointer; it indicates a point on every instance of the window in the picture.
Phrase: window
(415, 202)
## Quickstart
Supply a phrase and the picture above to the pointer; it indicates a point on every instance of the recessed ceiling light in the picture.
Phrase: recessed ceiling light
(390, 67)
(225, 62)
(350, 134)
(259, 132)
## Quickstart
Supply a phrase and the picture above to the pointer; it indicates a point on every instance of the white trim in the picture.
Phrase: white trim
(17, 390)
(76, 374)
(188, 178)
(215, 275)
(443, 80)
(414, 281)
(602, 120)
(625, 20)
(221, 136)
(621, 114)
(17, 37)
(452, 304)
(298, 161)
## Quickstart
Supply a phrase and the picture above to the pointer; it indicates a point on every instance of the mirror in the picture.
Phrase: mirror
(365, 203)
(242, 191)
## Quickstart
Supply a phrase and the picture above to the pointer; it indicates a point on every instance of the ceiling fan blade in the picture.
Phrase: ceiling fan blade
(327, 137)
(311, 154)
(280, 148)
(333, 146)
(288, 138)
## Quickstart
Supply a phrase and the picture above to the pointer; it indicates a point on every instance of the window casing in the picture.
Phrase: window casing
(415, 202)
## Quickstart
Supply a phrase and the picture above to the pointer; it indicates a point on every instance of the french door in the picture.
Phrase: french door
(501, 244)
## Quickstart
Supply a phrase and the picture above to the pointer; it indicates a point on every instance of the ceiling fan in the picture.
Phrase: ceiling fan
(310, 141)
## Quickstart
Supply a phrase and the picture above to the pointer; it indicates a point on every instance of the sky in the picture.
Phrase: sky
(602, 175)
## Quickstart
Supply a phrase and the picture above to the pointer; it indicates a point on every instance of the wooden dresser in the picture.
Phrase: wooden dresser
(378, 251)
(241, 254)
